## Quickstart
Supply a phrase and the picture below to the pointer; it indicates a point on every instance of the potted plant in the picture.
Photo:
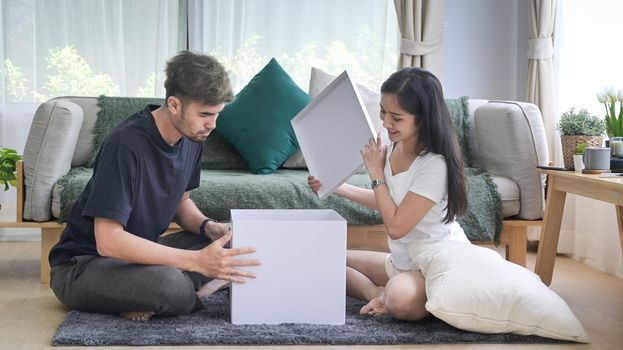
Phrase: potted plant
(579, 127)
(8, 164)
(578, 162)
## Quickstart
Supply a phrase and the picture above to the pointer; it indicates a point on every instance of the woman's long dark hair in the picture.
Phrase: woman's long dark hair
(419, 92)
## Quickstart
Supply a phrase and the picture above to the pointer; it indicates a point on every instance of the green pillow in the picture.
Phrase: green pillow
(218, 154)
(257, 122)
(114, 110)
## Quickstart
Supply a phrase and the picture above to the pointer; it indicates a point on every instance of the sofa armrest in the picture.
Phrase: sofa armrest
(48, 153)
(511, 142)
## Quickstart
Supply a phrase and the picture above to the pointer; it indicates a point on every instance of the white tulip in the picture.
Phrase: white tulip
(620, 95)
(602, 97)
(611, 93)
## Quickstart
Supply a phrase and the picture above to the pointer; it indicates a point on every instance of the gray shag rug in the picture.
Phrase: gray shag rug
(211, 326)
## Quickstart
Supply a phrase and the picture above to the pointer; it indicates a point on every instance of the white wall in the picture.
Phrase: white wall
(484, 50)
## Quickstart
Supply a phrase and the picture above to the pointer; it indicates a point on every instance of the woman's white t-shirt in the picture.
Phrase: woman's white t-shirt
(427, 176)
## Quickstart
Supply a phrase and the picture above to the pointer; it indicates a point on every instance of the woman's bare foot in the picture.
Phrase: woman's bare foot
(211, 288)
(376, 306)
(137, 315)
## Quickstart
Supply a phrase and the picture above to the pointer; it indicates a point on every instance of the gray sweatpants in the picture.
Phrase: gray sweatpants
(108, 285)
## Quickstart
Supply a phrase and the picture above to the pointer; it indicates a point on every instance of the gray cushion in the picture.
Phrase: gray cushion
(511, 140)
(474, 160)
(48, 154)
(86, 139)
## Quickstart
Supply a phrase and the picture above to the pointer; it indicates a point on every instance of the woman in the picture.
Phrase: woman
(418, 186)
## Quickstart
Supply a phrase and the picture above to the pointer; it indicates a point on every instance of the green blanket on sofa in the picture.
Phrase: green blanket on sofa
(228, 184)
(222, 190)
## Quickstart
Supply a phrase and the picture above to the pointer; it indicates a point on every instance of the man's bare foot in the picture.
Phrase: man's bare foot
(376, 306)
(211, 288)
(137, 315)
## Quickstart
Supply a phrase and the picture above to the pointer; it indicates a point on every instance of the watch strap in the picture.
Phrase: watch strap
(376, 183)
(202, 229)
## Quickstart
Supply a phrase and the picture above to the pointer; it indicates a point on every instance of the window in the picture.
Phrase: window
(361, 36)
(65, 47)
(588, 56)
(74, 47)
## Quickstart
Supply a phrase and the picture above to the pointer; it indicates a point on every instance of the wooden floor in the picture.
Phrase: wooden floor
(30, 314)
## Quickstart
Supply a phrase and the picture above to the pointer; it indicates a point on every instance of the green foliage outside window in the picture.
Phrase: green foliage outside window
(149, 87)
(15, 81)
(333, 58)
(70, 74)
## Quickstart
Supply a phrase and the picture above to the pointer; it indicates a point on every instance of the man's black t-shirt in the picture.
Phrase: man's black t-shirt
(138, 180)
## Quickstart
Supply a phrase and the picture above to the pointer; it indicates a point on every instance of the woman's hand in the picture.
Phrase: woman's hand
(314, 184)
(373, 155)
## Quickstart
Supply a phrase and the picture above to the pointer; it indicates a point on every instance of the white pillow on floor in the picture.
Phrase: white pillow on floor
(474, 289)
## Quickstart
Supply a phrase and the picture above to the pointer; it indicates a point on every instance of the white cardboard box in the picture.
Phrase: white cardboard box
(302, 278)
(331, 130)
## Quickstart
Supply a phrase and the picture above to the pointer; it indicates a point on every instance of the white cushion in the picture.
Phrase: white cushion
(509, 193)
(474, 289)
(318, 81)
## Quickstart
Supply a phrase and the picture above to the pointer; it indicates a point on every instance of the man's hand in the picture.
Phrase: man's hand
(216, 230)
(218, 262)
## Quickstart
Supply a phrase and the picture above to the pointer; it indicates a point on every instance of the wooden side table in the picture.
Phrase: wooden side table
(559, 184)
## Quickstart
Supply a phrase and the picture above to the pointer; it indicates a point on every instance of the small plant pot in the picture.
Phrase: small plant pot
(578, 163)
(569, 143)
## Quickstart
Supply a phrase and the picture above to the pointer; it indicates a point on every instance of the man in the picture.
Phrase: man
(111, 257)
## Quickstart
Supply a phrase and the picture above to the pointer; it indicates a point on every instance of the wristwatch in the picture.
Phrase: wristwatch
(377, 183)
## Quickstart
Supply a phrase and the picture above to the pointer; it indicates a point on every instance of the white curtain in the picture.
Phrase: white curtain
(588, 58)
(118, 47)
(421, 28)
(51, 48)
(358, 35)
(540, 86)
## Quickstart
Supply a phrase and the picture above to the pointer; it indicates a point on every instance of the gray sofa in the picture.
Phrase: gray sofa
(505, 138)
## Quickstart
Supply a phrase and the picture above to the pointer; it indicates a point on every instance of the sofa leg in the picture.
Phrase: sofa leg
(517, 245)
(49, 237)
